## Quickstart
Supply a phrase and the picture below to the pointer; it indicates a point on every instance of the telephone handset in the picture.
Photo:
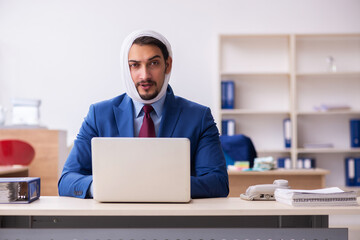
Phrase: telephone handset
(264, 191)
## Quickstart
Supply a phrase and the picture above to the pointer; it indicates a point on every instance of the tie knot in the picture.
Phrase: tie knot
(148, 109)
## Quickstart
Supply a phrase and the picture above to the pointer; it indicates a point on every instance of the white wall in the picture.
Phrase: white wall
(67, 52)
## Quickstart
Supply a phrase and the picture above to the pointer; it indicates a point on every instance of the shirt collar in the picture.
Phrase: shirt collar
(158, 106)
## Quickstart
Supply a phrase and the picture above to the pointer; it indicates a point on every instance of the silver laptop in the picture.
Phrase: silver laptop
(141, 169)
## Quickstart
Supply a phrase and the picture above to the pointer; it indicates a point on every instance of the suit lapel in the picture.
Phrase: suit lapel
(171, 114)
(124, 118)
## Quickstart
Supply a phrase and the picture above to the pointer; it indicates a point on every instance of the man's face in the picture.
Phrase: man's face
(148, 68)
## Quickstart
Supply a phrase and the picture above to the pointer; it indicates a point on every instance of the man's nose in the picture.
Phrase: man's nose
(145, 73)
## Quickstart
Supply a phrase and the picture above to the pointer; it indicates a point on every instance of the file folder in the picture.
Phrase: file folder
(299, 164)
(306, 163)
(287, 132)
(352, 172)
(228, 127)
(284, 163)
(223, 95)
(309, 163)
(227, 94)
(355, 133)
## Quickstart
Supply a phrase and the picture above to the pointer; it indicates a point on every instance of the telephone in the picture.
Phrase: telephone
(264, 191)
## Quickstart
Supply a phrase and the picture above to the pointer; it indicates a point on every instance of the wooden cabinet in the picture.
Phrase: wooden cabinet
(298, 179)
(14, 171)
(287, 76)
(50, 154)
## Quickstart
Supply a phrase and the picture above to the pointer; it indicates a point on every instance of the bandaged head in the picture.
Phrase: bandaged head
(125, 70)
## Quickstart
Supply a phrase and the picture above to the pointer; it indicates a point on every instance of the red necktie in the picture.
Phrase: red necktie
(147, 128)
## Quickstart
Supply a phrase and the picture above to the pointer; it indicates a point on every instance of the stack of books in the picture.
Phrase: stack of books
(316, 198)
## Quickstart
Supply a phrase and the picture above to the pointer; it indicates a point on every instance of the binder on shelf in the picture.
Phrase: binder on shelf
(287, 132)
(19, 189)
(309, 163)
(228, 127)
(355, 133)
(284, 163)
(299, 164)
(306, 163)
(352, 172)
(223, 95)
(227, 94)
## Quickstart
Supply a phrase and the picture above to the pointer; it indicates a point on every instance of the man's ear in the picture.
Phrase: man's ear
(168, 65)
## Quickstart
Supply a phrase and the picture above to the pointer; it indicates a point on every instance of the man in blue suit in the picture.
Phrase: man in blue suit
(146, 61)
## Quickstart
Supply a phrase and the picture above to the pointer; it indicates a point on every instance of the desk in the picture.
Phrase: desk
(232, 215)
(11, 171)
(50, 154)
(239, 181)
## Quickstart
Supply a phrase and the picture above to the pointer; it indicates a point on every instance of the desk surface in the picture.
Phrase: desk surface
(66, 206)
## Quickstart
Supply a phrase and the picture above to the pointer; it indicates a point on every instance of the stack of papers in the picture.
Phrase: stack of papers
(316, 198)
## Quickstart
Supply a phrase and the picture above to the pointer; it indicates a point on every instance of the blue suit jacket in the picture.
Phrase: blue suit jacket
(181, 118)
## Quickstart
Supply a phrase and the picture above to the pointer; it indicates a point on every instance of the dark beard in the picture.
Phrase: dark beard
(147, 96)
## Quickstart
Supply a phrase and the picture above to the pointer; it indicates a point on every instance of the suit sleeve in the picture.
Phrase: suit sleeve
(76, 176)
(211, 178)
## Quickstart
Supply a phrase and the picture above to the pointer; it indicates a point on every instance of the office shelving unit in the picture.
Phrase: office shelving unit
(286, 76)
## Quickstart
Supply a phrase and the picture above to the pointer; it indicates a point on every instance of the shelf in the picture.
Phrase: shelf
(254, 54)
(232, 36)
(255, 112)
(267, 151)
(326, 74)
(327, 150)
(255, 74)
(326, 35)
(312, 53)
(314, 113)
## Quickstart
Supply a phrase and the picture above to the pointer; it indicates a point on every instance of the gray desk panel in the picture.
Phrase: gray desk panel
(175, 234)
(296, 221)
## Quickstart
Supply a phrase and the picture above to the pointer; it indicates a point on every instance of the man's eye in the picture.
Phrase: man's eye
(133, 65)
(154, 63)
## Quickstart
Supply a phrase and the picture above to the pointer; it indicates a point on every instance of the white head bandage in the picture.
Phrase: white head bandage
(125, 70)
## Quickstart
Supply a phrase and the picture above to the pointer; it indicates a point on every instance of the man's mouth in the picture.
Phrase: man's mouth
(145, 85)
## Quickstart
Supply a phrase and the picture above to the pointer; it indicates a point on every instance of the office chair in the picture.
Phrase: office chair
(16, 152)
(238, 148)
